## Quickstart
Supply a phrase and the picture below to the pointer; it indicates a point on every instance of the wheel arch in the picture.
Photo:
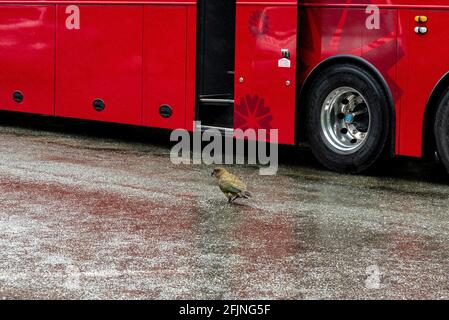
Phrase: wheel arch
(345, 59)
(428, 139)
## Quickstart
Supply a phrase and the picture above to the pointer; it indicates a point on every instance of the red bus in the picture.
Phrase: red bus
(353, 78)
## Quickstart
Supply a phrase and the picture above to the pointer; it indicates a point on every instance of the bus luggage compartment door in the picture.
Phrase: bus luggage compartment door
(99, 63)
(27, 58)
(169, 66)
(265, 76)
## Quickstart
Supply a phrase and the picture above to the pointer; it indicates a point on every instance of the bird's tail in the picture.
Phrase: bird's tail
(246, 194)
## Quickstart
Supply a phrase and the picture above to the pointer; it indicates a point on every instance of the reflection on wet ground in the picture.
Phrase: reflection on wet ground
(98, 211)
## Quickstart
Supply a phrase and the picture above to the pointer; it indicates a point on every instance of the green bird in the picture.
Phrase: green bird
(232, 187)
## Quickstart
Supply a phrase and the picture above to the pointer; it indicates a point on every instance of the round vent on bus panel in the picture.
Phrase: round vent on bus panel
(165, 111)
(99, 105)
(17, 96)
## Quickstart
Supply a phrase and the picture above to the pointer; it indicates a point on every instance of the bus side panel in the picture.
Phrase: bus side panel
(165, 38)
(381, 48)
(328, 32)
(191, 68)
(27, 42)
(427, 62)
(102, 60)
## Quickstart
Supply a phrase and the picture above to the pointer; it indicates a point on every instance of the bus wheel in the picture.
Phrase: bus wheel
(441, 130)
(347, 119)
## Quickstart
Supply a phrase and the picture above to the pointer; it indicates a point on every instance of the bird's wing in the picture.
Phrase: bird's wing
(231, 183)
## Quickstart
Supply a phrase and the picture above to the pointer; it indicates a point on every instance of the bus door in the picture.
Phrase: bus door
(265, 67)
(216, 54)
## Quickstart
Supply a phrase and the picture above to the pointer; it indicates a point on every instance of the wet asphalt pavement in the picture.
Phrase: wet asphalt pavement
(97, 211)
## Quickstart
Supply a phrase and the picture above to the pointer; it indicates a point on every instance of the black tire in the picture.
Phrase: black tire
(441, 130)
(348, 75)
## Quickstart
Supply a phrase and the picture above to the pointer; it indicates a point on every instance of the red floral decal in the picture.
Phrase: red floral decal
(251, 113)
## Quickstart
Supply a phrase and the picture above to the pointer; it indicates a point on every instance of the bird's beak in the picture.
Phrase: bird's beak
(212, 174)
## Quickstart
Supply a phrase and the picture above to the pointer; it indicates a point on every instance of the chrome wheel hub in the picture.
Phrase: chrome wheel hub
(345, 120)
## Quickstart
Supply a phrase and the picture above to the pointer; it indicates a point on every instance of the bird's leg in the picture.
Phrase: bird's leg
(232, 199)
